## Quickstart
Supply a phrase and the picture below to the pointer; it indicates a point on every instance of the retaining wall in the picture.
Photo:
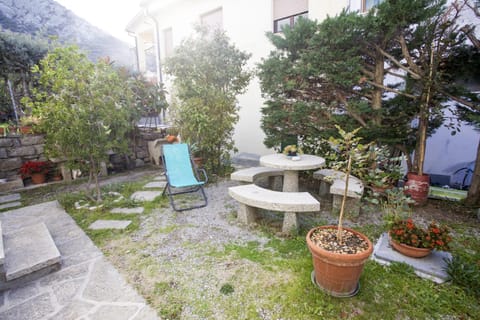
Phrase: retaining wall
(17, 149)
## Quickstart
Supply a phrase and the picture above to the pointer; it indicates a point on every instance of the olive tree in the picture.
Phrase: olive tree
(18, 53)
(209, 72)
(84, 109)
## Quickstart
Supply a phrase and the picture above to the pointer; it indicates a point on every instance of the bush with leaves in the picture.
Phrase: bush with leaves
(84, 109)
(209, 73)
(465, 274)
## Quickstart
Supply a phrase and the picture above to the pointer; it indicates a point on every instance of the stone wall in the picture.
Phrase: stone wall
(17, 149)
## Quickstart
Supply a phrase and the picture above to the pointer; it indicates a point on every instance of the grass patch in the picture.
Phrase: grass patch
(265, 279)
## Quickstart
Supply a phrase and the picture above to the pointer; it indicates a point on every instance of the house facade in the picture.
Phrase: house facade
(161, 25)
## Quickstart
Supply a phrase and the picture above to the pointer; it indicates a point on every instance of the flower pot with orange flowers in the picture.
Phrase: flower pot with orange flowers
(417, 242)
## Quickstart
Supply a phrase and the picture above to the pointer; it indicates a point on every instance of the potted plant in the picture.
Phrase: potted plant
(292, 150)
(416, 242)
(195, 152)
(384, 171)
(339, 253)
(36, 170)
(4, 129)
(28, 124)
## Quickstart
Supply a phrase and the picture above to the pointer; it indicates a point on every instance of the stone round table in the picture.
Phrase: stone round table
(291, 167)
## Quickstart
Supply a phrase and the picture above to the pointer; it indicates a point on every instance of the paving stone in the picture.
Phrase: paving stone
(2, 252)
(13, 184)
(86, 282)
(114, 313)
(431, 267)
(10, 205)
(145, 195)
(20, 294)
(74, 310)
(109, 224)
(28, 250)
(10, 198)
(160, 178)
(67, 290)
(146, 313)
(107, 285)
(156, 184)
(137, 210)
(79, 271)
(37, 308)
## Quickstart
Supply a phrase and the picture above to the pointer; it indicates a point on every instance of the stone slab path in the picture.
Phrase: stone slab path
(431, 267)
(137, 210)
(145, 195)
(156, 184)
(86, 287)
(109, 224)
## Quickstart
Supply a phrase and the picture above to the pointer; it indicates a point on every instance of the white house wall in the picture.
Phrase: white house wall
(246, 23)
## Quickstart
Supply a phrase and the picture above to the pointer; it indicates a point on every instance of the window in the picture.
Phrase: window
(213, 19)
(287, 13)
(168, 41)
(369, 4)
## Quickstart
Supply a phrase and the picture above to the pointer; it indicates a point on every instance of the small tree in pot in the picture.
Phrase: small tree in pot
(339, 253)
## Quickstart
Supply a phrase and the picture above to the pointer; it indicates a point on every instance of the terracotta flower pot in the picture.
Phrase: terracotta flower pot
(335, 273)
(410, 251)
(198, 161)
(38, 178)
(417, 187)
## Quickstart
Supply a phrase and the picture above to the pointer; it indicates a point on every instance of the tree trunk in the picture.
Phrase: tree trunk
(378, 78)
(421, 145)
(473, 197)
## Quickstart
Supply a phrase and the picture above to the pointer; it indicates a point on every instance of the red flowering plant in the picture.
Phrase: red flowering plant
(30, 167)
(434, 237)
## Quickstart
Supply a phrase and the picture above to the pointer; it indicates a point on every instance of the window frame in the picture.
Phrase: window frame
(292, 19)
(364, 5)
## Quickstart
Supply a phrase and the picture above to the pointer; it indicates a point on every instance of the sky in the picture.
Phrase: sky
(111, 16)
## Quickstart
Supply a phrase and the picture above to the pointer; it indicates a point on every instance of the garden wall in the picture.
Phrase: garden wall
(17, 149)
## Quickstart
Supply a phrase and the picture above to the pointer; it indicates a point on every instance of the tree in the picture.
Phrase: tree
(334, 73)
(471, 69)
(209, 73)
(83, 107)
(18, 54)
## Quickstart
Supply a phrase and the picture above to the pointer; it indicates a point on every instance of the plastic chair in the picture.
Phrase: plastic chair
(182, 175)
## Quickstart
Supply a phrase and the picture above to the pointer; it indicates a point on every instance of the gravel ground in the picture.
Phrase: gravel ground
(186, 266)
(178, 261)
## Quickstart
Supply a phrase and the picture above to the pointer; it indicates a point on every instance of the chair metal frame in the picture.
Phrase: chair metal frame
(178, 156)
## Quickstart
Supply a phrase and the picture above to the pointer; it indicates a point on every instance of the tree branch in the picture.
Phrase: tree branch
(391, 90)
(398, 64)
(408, 57)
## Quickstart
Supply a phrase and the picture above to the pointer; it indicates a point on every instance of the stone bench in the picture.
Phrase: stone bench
(257, 175)
(251, 196)
(333, 184)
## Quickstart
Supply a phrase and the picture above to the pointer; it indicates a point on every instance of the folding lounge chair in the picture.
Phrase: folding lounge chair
(182, 174)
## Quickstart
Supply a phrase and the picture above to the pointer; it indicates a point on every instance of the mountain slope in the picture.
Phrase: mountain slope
(48, 18)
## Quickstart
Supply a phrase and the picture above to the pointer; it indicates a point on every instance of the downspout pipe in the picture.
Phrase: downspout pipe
(137, 61)
(157, 40)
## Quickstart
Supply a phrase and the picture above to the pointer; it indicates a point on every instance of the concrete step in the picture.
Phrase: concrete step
(29, 254)
(2, 252)
(10, 201)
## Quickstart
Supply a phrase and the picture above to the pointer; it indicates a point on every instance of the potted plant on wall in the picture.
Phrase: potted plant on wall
(36, 170)
(339, 253)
